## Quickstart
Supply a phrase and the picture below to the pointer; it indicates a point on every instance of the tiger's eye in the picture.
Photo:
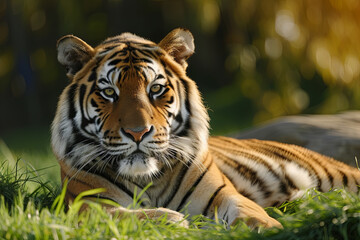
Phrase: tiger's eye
(109, 92)
(155, 88)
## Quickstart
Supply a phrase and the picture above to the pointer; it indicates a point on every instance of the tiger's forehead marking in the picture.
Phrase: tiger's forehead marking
(118, 61)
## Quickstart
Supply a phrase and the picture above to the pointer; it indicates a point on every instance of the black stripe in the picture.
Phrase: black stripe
(187, 125)
(137, 68)
(344, 178)
(114, 144)
(283, 185)
(108, 74)
(139, 60)
(84, 121)
(146, 45)
(178, 182)
(123, 53)
(256, 159)
(160, 76)
(114, 40)
(114, 62)
(121, 75)
(114, 54)
(107, 49)
(103, 81)
(78, 138)
(71, 98)
(126, 60)
(325, 168)
(100, 197)
(246, 172)
(159, 141)
(241, 191)
(168, 72)
(93, 75)
(288, 183)
(170, 114)
(82, 97)
(148, 53)
(299, 164)
(179, 118)
(330, 177)
(109, 178)
(279, 151)
(184, 132)
(171, 100)
(135, 54)
(93, 103)
(205, 212)
(191, 190)
(165, 91)
(186, 88)
(170, 84)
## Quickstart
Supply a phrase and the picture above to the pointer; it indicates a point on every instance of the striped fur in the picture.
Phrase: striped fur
(131, 116)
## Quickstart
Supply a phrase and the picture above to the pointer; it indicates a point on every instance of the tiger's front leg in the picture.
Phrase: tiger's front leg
(230, 205)
(80, 181)
(207, 189)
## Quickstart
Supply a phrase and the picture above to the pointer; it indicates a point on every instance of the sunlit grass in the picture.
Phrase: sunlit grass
(31, 207)
(31, 146)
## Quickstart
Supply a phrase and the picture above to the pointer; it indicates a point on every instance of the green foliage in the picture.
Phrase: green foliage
(26, 182)
(31, 208)
(254, 60)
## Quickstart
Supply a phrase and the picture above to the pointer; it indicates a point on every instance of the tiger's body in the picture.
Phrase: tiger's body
(131, 116)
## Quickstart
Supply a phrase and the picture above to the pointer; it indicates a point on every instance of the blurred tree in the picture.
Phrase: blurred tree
(255, 59)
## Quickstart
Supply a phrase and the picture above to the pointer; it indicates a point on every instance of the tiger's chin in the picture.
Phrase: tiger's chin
(138, 165)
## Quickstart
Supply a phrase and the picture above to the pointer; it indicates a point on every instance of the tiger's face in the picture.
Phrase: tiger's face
(132, 106)
(129, 106)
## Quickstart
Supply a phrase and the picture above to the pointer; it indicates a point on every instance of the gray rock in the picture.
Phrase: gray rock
(337, 136)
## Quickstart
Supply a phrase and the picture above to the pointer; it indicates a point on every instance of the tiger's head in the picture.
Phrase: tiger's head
(129, 105)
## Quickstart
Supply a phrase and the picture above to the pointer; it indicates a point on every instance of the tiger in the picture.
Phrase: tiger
(130, 116)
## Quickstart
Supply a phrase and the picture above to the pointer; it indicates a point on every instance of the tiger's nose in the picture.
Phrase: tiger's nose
(137, 134)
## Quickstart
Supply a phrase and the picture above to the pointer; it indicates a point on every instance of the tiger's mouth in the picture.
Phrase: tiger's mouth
(137, 161)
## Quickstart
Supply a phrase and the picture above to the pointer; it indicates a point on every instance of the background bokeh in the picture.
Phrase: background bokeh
(255, 59)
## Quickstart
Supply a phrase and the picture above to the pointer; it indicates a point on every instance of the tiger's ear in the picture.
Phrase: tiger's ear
(73, 53)
(179, 43)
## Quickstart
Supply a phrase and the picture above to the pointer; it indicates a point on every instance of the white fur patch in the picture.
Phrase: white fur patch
(137, 166)
(299, 176)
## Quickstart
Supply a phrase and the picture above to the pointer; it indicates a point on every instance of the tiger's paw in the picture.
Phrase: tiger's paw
(269, 222)
(255, 221)
(158, 213)
(252, 214)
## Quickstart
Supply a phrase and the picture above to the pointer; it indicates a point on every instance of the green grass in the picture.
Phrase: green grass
(31, 207)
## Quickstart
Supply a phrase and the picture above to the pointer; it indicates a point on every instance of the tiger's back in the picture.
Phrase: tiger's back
(270, 172)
